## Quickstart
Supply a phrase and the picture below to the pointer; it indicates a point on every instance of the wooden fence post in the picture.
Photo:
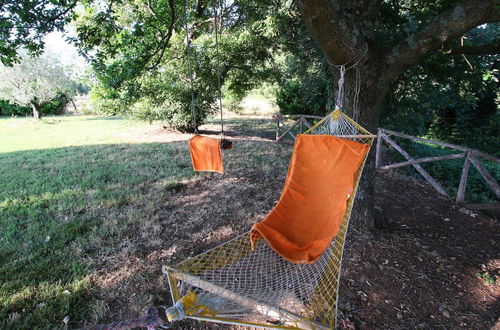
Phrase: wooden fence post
(419, 168)
(378, 149)
(277, 127)
(463, 179)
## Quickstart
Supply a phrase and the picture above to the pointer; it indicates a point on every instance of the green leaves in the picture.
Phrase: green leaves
(138, 51)
(24, 23)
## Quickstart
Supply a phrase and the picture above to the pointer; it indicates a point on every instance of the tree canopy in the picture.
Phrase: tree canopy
(24, 23)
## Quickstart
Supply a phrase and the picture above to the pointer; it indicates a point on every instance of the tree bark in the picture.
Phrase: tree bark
(370, 102)
(36, 111)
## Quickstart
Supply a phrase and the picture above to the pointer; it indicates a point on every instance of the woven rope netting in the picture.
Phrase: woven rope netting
(233, 284)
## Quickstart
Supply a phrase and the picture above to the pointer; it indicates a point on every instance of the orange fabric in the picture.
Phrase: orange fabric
(320, 180)
(206, 154)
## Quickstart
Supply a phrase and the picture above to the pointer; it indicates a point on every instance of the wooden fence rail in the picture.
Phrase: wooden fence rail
(471, 156)
(300, 120)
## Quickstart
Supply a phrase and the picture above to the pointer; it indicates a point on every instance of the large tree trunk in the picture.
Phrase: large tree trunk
(371, 96)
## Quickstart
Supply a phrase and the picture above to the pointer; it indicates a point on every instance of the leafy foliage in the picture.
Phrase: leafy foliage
(26, 22)
(451, 98)
(138, 51)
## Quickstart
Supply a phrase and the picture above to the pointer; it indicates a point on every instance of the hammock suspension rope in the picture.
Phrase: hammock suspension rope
(343, 68)
(190, 68)
(217, 18)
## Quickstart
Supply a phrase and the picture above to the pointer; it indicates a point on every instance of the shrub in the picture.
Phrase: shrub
(290, 100)
(9, 109)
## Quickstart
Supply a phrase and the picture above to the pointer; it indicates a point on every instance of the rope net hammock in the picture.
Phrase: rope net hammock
(237, 285)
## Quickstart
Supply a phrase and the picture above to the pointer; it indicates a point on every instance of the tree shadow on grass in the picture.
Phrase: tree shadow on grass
(262, 128)
(110, 118)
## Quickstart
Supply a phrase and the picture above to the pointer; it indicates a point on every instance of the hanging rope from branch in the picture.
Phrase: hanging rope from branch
(190, 68)
(218, 21)
(341, 93)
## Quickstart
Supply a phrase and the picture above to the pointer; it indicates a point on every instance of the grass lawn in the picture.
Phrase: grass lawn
(74, 192)
(91, 208)
(65, 185)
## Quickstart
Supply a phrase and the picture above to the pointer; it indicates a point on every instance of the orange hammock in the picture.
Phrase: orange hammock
(320, 180)
(206, 154)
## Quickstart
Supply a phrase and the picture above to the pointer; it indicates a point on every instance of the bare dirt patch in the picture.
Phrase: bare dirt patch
(419, 271)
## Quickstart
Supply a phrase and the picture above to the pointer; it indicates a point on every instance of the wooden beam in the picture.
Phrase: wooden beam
(422, 160)
(307, 123)
(277, 128)
(419, 168)
(305, 116)
(443, 144)
(487, 206)
(490, 180)
(378, 151)
(288, 130)
(246, 301)
(463, 180)
(360, 136)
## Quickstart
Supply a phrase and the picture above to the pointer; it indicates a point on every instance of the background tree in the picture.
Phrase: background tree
(34, 82)
(138, 50)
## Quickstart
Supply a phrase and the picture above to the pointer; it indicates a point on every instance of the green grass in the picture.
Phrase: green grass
(59, 131)
(67, 190)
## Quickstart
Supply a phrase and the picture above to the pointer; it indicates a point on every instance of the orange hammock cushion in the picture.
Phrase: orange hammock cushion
(206, 154)
(320, 180)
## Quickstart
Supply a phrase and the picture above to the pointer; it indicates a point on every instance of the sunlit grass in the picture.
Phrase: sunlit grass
(67, 186)
(58, 131)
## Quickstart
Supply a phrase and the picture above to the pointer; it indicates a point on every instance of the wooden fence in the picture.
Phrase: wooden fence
(471, 156)
(300, 124)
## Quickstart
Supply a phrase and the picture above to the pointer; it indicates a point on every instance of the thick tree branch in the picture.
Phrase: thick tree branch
(451, 23)
(492, 48)
(336, 35)
(163, 44)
